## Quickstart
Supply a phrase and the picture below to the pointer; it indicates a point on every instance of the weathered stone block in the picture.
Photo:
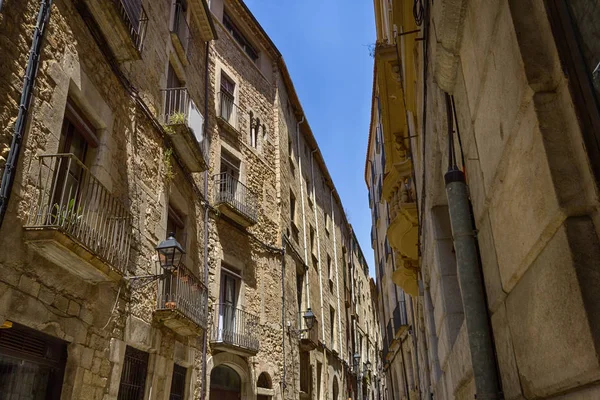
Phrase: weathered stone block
(550, 316)
(523, 199)
(138, 333)
(29, 285)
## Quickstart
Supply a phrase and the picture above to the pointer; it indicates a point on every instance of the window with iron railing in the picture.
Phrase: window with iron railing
(135, 19)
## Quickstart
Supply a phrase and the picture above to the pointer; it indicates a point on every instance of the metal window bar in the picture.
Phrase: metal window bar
(236, 194)
(182, 291)
(179, 108)
(135, 19)
(235, 327)
(181, 27)
(178, 383)
(72, 200)
(133, 375)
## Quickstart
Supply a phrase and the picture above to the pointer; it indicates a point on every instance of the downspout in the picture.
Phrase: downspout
(206, 208)
(8, 175)
(474, 302)
(312, 175)
(283, 246)
(303, 213)
(337, 276)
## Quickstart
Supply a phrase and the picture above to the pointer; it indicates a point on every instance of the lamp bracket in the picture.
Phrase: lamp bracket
(140, 281)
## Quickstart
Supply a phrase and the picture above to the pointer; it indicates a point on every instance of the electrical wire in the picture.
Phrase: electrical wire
(112, 312)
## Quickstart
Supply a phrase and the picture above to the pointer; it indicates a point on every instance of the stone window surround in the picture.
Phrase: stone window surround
(78, 88)
(238, 264)
(221, 69)
(142, 336)
(235, 153)
(181, 204)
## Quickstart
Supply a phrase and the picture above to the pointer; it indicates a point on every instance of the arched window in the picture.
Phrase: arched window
(264, 387)
(336, 389)
(264, 381)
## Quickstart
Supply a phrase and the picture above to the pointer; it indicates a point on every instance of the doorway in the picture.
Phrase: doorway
(225, 384)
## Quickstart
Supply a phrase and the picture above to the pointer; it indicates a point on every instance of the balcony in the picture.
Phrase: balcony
(185, 125)
(309, 340)
(230, 114)
(235, 200)
(76, 223)
(400, 319)
(235, 330)
(180, 33)
(123, 23)
(389, 333)
(182, 303)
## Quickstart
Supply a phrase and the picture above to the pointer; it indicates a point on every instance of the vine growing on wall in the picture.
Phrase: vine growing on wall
(168, 174)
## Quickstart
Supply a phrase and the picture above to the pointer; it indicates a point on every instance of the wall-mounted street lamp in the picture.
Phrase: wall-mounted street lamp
(309, 321)
(170, 253)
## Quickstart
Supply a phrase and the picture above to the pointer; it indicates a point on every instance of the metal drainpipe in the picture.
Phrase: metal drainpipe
(483, 358)
(206, 207)
(8, 176)
(283, 246)
(306, 283)
(337, 276)
(312, 174)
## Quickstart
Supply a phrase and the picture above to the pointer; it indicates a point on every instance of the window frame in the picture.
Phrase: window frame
(581, 87)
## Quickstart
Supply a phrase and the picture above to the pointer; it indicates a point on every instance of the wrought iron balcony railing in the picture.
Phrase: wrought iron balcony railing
(235, 327)
(70, 199)
(182, 291)
(179, 108)
(181, 28)
(400, 317)
(232, 192)
(135, 19)
(230, 112)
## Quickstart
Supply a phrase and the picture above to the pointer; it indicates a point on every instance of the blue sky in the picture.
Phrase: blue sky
(325, 46)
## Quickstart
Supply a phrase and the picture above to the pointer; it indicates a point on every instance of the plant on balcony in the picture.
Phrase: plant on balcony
(177, 118)
(69, 217)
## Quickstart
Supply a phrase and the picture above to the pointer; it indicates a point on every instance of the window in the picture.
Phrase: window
(292, 207)
(31, 364)
(291, 155)
(254, 130)
(133, 376)
(309, 191)
(178, 383)
(305, 373)
(299, 287)
(227, 98)
(330, 273)
(239, 37)
(332, 326)
(576, 29)
(327, 223)
(295, 230)
(180, 26)
(176, 225)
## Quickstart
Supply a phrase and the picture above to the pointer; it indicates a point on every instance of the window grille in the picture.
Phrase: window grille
(133, 376)
(178, 383)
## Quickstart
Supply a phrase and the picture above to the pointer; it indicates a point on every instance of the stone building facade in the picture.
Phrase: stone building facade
(149, 118)
(494, 104)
